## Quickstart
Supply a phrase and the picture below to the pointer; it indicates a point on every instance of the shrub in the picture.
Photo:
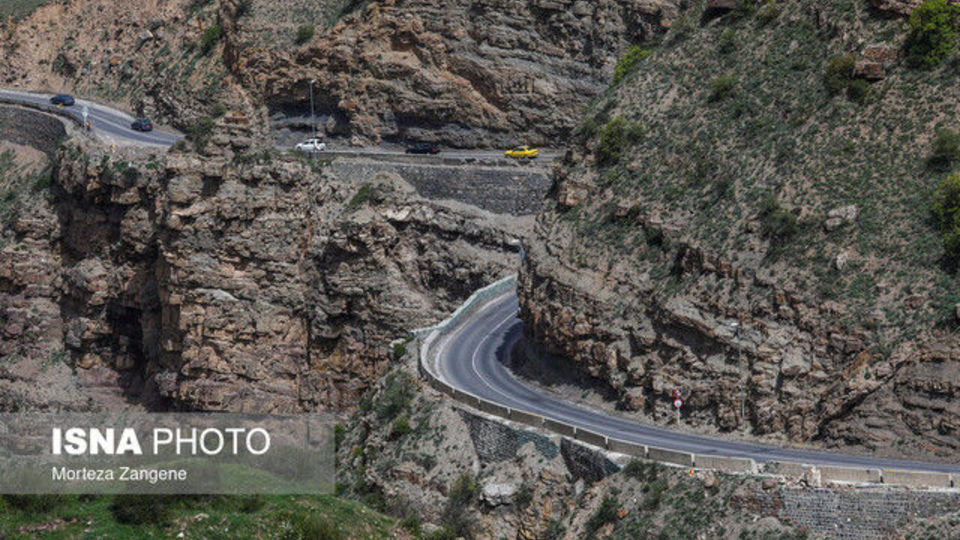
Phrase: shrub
(723, 87)
(641, 470)
(945, 148)
(653, 493)
(616, 135)
(606, 513)
(400, 427)
(627, 64)
(304, 33)
(933, 32)
(858, 91)
(412, 525)
(946, 211)
(142, 509)
(313, 527)
(768, 13)
(524, 495)
(399, 351)
(727, 43)
(839, 73)
(210, 37)
(200, 132)
(456, 518)
(396, 397)
(244, 7)
(35, 504)
(778, 224)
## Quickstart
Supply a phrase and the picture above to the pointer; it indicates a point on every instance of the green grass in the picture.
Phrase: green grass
(318, 516)
(19, 8)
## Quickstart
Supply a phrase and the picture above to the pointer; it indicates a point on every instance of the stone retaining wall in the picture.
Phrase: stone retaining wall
(499, 189)
(31, 128)
(857, 514)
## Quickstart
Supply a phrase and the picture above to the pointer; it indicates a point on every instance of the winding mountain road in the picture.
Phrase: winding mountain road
(111, 125)
(472, 357)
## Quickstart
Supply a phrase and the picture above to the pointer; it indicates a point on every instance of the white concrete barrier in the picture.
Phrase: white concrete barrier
(725, 464)
(559, 427)
(670, 456)
(590, 437)
(849, 475)
(524, 417)
(490, 407)
(915, 478)
(628, 448)
(786, 468)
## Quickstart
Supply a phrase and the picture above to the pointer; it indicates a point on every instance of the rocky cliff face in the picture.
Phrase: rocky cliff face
(732, 223)
(463, 73)
(255, 282)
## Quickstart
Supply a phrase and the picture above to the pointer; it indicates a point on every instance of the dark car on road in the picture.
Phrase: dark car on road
(423, 148)
(142, 124)
(63, 99)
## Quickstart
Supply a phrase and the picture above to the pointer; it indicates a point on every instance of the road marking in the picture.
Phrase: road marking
(473, 360)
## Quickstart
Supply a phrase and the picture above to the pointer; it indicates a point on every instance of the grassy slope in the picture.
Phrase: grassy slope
(209, 517)
(19, 8)
(705, 164)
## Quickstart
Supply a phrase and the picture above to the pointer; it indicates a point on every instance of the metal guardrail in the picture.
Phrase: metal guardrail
(429, 336)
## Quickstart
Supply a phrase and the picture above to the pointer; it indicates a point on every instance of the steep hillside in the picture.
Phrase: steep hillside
(748, 214)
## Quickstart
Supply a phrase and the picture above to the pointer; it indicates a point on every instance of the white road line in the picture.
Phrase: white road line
(473, 360)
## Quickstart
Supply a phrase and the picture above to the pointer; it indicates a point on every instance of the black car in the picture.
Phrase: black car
(63, 99)
(423, 148)
(142, 124)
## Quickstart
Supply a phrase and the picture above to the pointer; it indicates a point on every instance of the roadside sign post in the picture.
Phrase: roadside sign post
(677, 400)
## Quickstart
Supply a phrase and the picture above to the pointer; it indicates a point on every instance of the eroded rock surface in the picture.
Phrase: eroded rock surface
(200, 282)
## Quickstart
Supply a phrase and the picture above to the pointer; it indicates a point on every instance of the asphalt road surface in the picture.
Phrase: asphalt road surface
(473, 358)
(111, 125)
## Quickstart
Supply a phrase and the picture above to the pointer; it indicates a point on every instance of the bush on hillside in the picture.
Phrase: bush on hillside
(778, 224)
(210, 37)
(143, 509)
(723, 87)
(946, 212)
(933, 32)
(839, 73)
(305, 33)
(627, 64)
(606, 513)
(617, 135)
(456, 517)
(945, 149)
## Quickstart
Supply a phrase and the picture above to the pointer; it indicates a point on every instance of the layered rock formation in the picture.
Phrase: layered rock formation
(755, 240)
(465, 73)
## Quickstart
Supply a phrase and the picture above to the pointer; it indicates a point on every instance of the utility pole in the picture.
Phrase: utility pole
(742, 385)
(313, 117)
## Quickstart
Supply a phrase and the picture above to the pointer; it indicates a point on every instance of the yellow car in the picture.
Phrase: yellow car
(522, 152)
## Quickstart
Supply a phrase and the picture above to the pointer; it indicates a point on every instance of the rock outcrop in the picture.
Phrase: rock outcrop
(464, 73)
